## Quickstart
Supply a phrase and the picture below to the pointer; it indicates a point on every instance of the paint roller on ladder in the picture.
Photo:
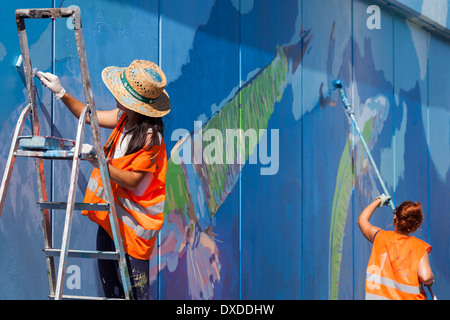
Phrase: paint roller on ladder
(337, 84)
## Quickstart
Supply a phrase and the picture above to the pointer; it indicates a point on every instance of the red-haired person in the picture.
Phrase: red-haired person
(398, 264)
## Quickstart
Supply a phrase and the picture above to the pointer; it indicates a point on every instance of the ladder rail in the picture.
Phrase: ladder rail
(28, 72)
(70, 205)
(11, 157)
(104, 173)
(100, 153)
(35, 130)
(46, 224)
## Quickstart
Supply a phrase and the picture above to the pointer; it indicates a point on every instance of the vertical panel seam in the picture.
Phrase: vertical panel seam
(428, 140)
(302, 275)
(158, 256)
(240, 132)
(394, 109)
(353, 150)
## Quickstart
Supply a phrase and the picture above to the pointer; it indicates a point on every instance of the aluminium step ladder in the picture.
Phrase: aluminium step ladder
(41, 148)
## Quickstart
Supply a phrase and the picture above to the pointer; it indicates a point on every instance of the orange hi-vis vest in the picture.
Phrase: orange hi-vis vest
(140, 217)
(392, 269)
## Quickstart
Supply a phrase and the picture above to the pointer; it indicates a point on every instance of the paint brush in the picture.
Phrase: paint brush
(37, 73)
(20, 70)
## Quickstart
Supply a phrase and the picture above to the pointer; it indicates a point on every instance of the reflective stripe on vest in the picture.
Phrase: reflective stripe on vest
(132, 223)
(152, 210)
(375, 280)
(93, 185)
(370, 296)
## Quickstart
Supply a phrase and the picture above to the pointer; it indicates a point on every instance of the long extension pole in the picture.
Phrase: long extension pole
(433, 296)
(348, 108)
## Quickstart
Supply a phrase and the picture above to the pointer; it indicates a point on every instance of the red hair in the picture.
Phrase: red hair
(408, 216)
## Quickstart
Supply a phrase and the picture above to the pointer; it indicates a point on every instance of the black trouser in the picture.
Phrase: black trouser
(110, 273)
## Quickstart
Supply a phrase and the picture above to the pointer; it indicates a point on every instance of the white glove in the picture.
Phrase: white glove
(384, 199)
(85, 148)
(52, 82)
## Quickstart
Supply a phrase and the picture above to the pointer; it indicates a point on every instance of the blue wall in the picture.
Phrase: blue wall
(282, 225)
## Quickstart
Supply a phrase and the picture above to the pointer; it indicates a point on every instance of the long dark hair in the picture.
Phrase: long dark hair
(140, 132)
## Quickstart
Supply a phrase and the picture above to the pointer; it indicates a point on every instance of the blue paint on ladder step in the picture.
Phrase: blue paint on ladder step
(44, 143)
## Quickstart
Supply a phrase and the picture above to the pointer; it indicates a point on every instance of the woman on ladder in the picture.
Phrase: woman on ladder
(137, 163)
(398, 264)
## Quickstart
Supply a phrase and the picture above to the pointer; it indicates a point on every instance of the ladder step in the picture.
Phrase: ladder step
(87, 254)
(77, 206)
(53, 154)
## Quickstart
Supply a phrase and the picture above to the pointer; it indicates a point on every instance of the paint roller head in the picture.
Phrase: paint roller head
(19, 68)
(337, 84)
(19, 62)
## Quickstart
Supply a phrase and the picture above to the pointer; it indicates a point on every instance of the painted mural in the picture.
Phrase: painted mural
(266, 176)
(197, 191)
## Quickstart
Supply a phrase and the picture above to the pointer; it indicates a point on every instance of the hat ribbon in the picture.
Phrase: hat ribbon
(133, 92)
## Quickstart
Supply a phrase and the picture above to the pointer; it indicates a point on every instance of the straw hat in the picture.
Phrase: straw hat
(139, 87)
